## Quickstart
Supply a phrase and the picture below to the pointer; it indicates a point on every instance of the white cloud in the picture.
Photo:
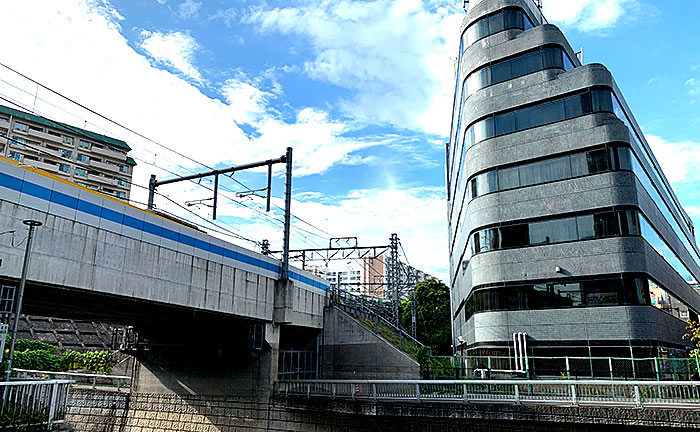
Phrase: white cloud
(189, 9)
(108, 75)
(588, 15)
(393, 55)
(416, 214)
(228, 16)
(693, 86)
(175, 49)
(678, 160)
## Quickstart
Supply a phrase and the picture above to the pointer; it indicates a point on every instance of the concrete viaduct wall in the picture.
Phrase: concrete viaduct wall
(95, 244)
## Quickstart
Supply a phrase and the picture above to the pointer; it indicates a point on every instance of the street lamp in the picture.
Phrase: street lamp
(23, 281)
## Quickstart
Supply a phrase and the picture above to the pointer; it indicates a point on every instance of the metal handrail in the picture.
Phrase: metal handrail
(358, 304)
(44, 401)
(640, 394)
(91, 378)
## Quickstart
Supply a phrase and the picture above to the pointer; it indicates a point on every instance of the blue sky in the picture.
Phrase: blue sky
(361, 89)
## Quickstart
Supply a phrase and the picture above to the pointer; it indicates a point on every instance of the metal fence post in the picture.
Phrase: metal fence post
(656, 368)
(637, 398)
(574, 398)
(52, 406)
(517, 394)
(568, 370)
(464, 392)
(333, 390)
(612, 376)
(374, 391)
(308, 390)
(417, 392)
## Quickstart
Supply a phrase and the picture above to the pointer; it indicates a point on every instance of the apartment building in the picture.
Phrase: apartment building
(369, 276)
(89, 159)
(562, 224)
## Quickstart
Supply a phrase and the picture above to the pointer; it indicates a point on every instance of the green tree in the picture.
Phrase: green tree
(432, 316)
(693, 335)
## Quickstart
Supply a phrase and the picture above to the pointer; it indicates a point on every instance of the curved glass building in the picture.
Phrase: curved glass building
(562, 225)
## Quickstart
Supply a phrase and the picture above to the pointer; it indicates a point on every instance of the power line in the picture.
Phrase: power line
(149, 140)
(101, 116)
(270, 219)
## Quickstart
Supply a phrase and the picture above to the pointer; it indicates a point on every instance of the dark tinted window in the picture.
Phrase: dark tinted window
(598, 161)
(505, 124)
(542, 114)
(606, 224)
(602, 291)
(526, 64)
(492, 24)
(602, 100)
(554, 231)
(558, 230)
(545, 171)
(508, 178)
(555, 169)
(496, 23)
(553, 58)
(514, 236)
(514, 18)
(548, 57)
(549, 112)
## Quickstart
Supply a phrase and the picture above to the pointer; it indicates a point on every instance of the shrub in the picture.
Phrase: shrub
(42, 356)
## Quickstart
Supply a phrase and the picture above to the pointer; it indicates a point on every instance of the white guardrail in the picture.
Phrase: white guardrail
(27, 404)
(119, 382)
(680, 394)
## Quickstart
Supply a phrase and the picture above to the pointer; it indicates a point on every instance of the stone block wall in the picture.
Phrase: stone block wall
(91, 411)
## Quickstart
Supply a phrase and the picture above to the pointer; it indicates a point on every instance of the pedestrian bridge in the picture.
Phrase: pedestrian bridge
(105, 259)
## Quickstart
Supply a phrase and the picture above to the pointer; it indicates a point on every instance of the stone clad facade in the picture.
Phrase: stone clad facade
(561, 223)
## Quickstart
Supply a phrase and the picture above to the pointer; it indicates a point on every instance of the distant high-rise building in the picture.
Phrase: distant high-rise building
(89, 159)
(369, 276)
(561, 223)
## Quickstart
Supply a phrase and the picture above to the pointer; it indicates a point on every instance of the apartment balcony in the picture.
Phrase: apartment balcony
(42, 165)
(104, 166)
(109, 153)
(48, 137)
(24, 149)
(102, 180)
(54, 153)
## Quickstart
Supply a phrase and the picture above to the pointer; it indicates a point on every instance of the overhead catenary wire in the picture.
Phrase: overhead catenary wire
(266, 217)
(222, 230)
(149, 140)
(19, 105)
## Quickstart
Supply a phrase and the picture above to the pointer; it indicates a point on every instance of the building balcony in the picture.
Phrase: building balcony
(42, 165)
(48, 137)
(54, 153)
(102, 179)
(109, 153)
(104, 166)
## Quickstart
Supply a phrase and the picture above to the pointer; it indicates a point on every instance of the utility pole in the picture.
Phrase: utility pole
(23, 281)
(287, 213)
(394, 275)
